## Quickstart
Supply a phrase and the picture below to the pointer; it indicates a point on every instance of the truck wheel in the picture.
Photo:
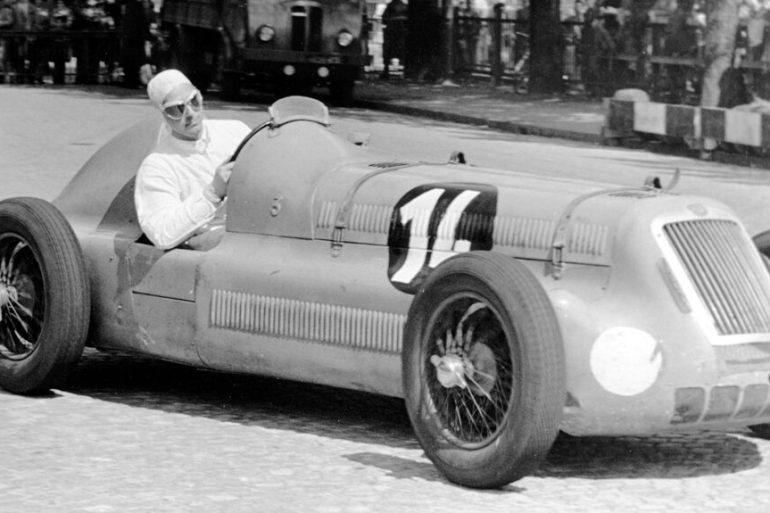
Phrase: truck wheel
(230, 86)
(483, 367)
(188, 55)
(762, 242)
(761, 430)
(341, 92)
(44, 296)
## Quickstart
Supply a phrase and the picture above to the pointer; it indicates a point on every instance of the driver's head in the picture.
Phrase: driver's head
(179, 101)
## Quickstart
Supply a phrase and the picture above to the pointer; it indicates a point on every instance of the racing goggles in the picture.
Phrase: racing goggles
(176, 110)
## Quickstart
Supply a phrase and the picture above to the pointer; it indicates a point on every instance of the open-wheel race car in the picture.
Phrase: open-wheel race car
(501, 305)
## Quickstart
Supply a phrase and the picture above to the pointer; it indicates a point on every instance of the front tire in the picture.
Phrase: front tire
(483, 367)
(44, 296)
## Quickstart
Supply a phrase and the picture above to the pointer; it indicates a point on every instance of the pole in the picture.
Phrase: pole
(448, 36)
(497, 46)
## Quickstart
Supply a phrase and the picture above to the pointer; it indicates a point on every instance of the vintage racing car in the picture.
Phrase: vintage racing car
(502, 306)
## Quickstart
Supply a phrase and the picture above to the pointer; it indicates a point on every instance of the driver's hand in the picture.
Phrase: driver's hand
(218, 185)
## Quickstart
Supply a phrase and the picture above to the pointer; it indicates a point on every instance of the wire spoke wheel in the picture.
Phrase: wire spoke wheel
(483, 369)
(469, 368)
(44, 296)
(22, 302)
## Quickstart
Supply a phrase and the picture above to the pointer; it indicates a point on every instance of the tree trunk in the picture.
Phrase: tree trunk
(423, 40)
(719, 39)
(546, 47)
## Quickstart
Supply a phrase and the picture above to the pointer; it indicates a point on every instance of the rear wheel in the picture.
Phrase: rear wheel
(230, 85)
(192, 54)
(761, 430)
(341, 92)
(483, 367)
(762, 242)
(44, 296)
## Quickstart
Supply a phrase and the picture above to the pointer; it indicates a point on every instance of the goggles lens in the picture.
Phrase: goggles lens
(177, 110)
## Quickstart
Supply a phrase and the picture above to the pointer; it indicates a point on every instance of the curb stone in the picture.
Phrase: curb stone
(505, 126)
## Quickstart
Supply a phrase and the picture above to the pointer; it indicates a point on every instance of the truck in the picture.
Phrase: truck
(290, 44)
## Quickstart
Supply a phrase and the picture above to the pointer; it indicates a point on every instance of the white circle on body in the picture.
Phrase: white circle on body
(626, 361)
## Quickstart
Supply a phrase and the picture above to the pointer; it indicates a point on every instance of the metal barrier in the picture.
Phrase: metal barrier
(701, 128)
(86, 57)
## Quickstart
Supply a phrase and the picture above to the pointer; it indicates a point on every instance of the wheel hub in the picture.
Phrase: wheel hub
(450, 370)
(8, 294)
(482, 361)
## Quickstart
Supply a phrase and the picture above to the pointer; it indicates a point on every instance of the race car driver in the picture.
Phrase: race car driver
(182, 183)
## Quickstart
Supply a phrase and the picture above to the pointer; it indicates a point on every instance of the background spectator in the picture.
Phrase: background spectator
(394, 38)
(135, 33)
(87, 17)
(6, 22)
(21, 49)
(61, 20)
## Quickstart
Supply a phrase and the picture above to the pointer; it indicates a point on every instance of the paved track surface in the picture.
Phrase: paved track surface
(133, 435)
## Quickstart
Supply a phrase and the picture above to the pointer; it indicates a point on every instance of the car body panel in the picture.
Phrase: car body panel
(326, 242)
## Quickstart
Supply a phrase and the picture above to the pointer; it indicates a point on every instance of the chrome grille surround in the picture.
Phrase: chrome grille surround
(726, 271)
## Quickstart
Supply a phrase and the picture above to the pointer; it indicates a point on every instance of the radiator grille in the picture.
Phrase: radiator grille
(729, 277)
(306, 25)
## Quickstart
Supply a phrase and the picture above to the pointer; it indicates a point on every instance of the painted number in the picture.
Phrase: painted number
(426, 246)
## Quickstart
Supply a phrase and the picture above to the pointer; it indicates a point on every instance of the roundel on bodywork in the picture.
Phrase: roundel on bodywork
(432, 222)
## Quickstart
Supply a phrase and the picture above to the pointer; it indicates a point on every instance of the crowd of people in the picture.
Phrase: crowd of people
(602, 33)
(105, 37)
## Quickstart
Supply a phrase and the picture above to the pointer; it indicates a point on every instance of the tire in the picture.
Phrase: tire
(342, 91)
(230, 86)
(187, 54)
(44, 296)
(511, 332)
(762, 242)
(228, 79)
(761, 430)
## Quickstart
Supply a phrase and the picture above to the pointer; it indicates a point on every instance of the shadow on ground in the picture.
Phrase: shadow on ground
(367, 418)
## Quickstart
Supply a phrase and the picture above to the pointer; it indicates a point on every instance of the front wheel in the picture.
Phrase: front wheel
(44, 296)
(483, 367)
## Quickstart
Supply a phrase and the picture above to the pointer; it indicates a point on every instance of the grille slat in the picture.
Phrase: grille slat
(746, 296)
(729, 277)
(694, 261)
(722, 264)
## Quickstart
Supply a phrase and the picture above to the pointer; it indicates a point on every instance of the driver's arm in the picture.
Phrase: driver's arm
(166, 215)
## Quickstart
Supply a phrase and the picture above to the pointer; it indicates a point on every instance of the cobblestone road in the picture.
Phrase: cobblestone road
(133, 435)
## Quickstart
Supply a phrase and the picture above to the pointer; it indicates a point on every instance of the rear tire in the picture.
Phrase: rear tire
(230, 85)
(762, 242)
(483, 367)
(342, 92)
(44, 296)
(189, 50)
(761, 430)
